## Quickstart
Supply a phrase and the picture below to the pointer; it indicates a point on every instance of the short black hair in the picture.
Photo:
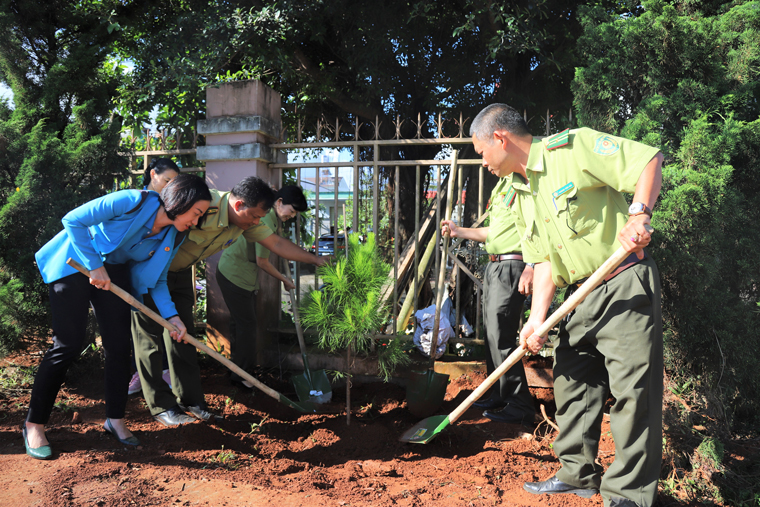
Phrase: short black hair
(181, 193)
(498, 117)
(254, 191)
(293, 195)
(161, 165)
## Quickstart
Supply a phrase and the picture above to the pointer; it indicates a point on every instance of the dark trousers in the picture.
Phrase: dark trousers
(612, 343)
(70, 301)
(242, 306)
(151, 340)
(502, 304)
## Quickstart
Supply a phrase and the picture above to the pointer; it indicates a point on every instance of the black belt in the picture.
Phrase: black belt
(505, 257)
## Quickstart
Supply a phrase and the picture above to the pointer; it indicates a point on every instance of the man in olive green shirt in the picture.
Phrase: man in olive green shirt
(507, 280)
(230, 215)
(612, 342)
(238, 276)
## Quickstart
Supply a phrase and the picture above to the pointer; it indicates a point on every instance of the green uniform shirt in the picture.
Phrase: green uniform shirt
(503, 236)
(214, 233)
(238, 262)
(576, 179)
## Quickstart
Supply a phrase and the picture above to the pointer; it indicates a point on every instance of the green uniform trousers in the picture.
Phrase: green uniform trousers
(242, 306)
(612, 343)
(502, 304)
(150, 340)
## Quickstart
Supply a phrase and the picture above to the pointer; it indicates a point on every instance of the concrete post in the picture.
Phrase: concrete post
(242, 118)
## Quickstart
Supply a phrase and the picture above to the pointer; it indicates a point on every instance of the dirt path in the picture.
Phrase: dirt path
(267, 454)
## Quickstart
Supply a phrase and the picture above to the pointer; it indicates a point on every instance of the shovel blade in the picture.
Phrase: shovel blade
(306, 407)
(425, 430)
(425, 392)
(313, 387)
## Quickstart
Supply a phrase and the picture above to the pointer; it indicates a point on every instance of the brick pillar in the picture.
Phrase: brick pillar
(243, 118)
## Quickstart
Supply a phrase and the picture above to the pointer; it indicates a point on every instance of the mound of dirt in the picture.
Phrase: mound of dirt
(265, 453)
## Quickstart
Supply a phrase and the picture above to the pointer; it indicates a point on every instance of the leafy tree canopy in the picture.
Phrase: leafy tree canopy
(684, 76)
(59, 143)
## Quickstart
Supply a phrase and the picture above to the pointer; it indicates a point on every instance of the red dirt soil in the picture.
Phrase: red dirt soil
(265, 453)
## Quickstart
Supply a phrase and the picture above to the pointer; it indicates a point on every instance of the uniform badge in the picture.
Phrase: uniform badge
(606, 145)
(565, 189)
(211, 211)
(558, 140)
(509, 197)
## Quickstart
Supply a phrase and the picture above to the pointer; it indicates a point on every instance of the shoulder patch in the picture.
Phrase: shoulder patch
(212, 210)
(606, 145)
(558, 140)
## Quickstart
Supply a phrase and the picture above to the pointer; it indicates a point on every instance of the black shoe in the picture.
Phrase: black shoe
(489, 404)
(616, 501)
(173, 417)
(509, 415)
(202, 413)
(554, 485)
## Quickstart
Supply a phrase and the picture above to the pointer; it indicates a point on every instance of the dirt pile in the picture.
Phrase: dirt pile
(265, 453)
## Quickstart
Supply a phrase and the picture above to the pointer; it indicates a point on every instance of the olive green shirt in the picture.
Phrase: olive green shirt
(503, 236)
(214, 233)
(238, 262)
(576, 184)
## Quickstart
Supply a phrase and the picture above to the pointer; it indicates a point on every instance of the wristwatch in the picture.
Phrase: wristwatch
(639, 208)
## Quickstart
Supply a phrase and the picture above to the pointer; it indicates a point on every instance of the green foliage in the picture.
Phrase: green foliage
(684, 76)
(349, 310)
(58, 144)
(356, 60)
(391, 355)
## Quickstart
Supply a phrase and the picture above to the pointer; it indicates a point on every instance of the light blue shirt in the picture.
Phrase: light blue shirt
(112, 230)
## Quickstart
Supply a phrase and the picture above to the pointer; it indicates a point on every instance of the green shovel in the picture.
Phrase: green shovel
(426, 430)
(303, 407)
(311, 386)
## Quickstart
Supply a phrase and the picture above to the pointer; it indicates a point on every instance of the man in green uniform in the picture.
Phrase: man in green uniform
(507, 280)
(230, 215)
(612, 342)
(238, 276)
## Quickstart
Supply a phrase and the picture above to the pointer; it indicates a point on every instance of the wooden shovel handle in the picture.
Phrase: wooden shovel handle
(440, 286)
(126, 296)
(569, 305)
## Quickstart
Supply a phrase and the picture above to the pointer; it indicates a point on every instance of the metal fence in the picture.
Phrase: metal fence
(365, 155)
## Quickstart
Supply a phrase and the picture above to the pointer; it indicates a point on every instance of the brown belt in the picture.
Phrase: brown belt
(505, 257)
(627, 263)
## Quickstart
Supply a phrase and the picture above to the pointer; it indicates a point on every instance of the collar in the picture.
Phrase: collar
(534, 164)
(218, 214)
(535, 157)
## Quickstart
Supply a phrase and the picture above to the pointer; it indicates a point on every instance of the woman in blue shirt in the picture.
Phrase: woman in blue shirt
(159, 172)
(129, 237)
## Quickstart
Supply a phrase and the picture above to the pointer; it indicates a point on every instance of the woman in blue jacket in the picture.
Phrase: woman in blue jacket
(129, 237)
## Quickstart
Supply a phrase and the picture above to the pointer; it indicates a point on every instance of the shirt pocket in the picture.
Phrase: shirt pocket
(574, 214)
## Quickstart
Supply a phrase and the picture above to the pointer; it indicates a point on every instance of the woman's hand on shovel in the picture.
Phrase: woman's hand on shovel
(179, 327)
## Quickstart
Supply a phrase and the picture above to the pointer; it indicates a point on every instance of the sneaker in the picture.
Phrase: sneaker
(134, 384)
(167, 378)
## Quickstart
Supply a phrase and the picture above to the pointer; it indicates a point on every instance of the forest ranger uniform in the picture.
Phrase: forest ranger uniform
(213, 233)
(238, 278)
(502, 305)
(612, 342)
